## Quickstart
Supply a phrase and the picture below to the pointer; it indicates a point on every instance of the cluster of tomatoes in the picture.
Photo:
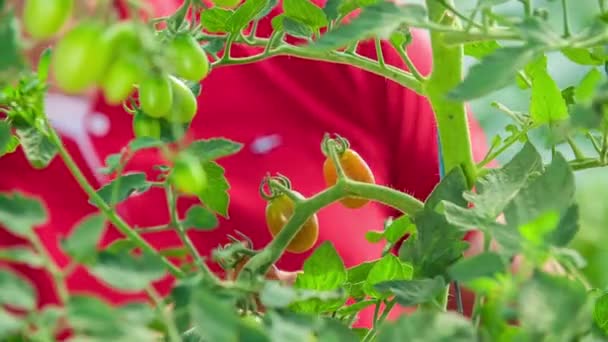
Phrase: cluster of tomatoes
(280, 208)
(120, 58)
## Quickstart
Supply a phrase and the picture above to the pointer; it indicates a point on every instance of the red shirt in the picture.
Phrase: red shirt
(279, 109)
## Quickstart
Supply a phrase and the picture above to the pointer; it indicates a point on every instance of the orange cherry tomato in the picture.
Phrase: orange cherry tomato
(278, 212)
(354, 168)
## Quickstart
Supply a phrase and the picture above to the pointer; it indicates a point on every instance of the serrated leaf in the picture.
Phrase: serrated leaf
(354, 308)
(357, 277)
(378, 20)
(493, 72)
(91, 315)
(244, 14)
(127, 185)
(481, 49)
(39, 150)
(275, 295)
(82, 242)
(270, 5)
(128, 272)
(16, 292)
(385, 269)
(215, 19)
(212, 149)
(295, 28)
(414, 292)
(567, 228)
(111, 163)
(20, 214)
(435, 326)
(200, 218)
(450, 189)
(215, 195)
(546, 104)
(348, 6)
(305, 12)
(486, 264)
(21, 255)
(398, 229)
(585, 90)
(323, 271)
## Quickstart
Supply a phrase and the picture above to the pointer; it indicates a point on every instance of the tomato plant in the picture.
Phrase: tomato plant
(525, 211)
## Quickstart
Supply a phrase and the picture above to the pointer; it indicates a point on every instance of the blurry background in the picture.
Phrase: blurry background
(592, 185)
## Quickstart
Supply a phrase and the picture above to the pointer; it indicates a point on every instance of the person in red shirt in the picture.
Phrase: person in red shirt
(279, 109)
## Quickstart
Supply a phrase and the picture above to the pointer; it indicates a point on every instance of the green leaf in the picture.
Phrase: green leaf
(275, 295)
(450, 189)
(244, 14)
(215, 319)
(378, 20)
(305, 12)
(481, 49)
(486, 264)
(399, 228)
(295, 28)
(215, 19)
(546, 104)
(112, 163)
(16, 292)
(586, 88)
(144, 143)
(493, 72)
(581, 56)
(385, 269)
(44, 64)
(200, 218)
(429, 327)
(128, 272)
(555, 306)
(290, 327)
(215, 195)
(331, 9)
(82, 242)
(323, 271)
(21, 255)
(9, 324)
(414, 292)
(538, 31)
(5, 137)
(357, 278)
(537, 230)
(348, 6)
(127, 185)
(38, 149)
(355, 308)
(212, 149)
(11, 58)
(600, 313)
(567, 228)
(20, 214)
(91, 315)
(374, 236)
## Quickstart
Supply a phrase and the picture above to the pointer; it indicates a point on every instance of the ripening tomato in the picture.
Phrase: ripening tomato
(184, 105)
(278, 212)
(146, 126)
(156, 95)
(226, 3)
(188, 58)
(354, 168)
(43, 18)
(80, 58)
(188, 175)
(118, 82)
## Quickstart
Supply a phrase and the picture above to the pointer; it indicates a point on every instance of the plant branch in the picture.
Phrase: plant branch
(57, 275)
(377, 323)
(379, 54)
(110, 214)
(165, 314)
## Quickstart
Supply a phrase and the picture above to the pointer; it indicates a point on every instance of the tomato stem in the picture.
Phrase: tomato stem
(164, 314)
(51, 266)
(110, 214)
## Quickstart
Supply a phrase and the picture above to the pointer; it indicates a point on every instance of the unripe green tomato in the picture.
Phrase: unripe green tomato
(226, 3)
(156, 95)
(118, 82)
(43, 18)
(252, 329)
(188, 58)
(122, 38)
(184, 103)
(80, 58)
(188, 175)
(145, 126)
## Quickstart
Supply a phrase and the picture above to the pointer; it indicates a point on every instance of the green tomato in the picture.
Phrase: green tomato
(184, 103)
(80, 58)
(119, 80)
(156, 95)
(188, 175)
(188, 58)
(145, 126)
(43, 18)
(226, 3)
(122, 38)
(251, 329)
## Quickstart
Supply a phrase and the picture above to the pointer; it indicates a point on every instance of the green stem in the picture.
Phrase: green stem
(261, 262)
(451, 116)
(377, 323)
(566, 19)
(51, 266)
(379, 54)
(578, 154)
(594, 142)
(154, 229)
(527, 7)
(452, 9)
(110, 214)
(179, 227)
(588, 163)
(604, 149)
(492, 156)
(164, 315)
(410, 65)
(458, 292)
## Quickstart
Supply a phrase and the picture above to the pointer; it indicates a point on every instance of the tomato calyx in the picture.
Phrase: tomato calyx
(338, 144)
(272, 187)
